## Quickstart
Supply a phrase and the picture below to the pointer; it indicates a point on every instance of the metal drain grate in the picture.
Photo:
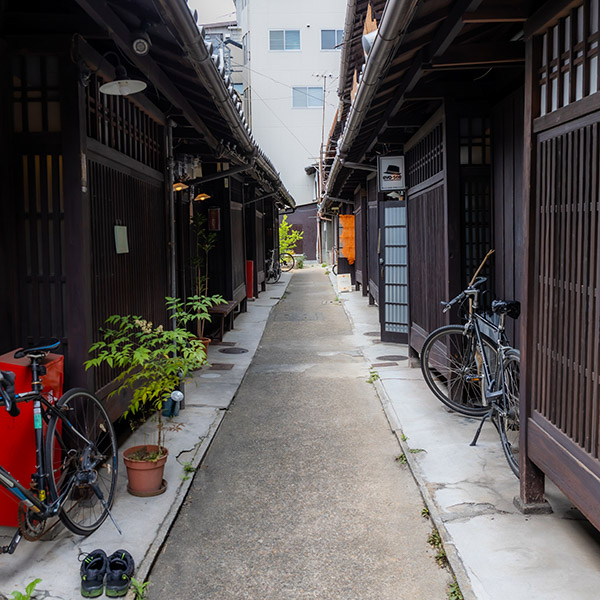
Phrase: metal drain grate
(384, 364)
(216, 343)
(387, 357)
(233, 350)
(220, 367)
(372, 333)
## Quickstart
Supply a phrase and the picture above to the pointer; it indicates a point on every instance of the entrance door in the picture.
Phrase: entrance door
(394, 285)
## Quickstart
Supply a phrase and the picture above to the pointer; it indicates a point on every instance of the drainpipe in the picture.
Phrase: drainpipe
(394, 21)
(345, 57)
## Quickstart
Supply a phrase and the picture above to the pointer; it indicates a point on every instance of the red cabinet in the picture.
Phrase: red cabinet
(17, 438)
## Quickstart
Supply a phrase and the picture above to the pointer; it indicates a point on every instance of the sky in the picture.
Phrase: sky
(213, 11)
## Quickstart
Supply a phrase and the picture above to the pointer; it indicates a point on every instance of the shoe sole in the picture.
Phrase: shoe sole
(92, 593)
(116, 593)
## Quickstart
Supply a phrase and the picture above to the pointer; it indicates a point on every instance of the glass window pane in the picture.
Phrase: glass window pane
(340, 37)
(292, 39)
(299, 97)
(327, 39)
(276, 40)
(315, 96)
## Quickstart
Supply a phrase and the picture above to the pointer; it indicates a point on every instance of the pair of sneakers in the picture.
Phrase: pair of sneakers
(117, 569)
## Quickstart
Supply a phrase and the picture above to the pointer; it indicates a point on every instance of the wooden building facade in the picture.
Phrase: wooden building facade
(496, 109)
(92, 223)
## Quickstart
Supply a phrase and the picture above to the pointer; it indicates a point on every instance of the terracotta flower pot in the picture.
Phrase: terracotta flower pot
(145, 476)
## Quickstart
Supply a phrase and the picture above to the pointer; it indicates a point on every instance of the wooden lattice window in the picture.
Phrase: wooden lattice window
(426, 158)
(35, 94)
(119, 123)
(475, 141)
(570, 69)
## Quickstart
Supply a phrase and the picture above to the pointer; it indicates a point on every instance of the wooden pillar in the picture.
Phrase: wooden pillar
(77, 249)
(532, 478)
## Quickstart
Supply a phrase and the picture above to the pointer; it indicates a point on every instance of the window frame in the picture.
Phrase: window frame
(339, 38)
(306, 92)
(284, 49)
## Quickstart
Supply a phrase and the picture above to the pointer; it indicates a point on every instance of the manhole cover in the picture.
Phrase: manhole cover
(221, 367)
(233, 350)
(372, 333)
(387, 357)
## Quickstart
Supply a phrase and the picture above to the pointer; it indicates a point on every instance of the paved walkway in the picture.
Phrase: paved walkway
(299, 495)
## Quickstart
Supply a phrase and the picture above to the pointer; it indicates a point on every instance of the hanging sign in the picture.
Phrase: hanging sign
(390, 173)
(214, 219)
(344, 282)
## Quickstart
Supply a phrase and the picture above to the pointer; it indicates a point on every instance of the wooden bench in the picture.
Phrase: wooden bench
(223, 311)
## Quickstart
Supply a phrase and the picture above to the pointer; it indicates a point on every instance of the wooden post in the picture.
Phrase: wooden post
(531, 497)
(77, 249)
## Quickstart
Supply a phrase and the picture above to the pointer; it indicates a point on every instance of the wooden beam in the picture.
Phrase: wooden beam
(121, 35)
(481, 54)
(498, 14)
(549, 14)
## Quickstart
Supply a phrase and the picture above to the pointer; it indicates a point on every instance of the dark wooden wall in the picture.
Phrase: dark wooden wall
(427, 234)
(561, 388)
(373, 268)
(507, 177)
(304, 219)
(361, 264)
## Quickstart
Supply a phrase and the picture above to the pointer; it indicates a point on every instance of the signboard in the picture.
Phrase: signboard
(344, 282)
(214, 219)
(390, 173)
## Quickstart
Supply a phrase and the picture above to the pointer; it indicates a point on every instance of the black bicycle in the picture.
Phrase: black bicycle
(272, 268)
(76, 456)
(286, 261)
(474, 374)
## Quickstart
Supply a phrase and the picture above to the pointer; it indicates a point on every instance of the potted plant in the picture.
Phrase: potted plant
(205, 242)
(153, 360)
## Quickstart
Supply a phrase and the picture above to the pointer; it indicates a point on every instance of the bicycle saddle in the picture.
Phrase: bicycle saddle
(41, 348)
(511, 308)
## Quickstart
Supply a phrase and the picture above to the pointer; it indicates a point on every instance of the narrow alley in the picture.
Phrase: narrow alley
(299, 495)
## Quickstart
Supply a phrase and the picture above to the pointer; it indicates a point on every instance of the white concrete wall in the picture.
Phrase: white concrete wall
(291, 137)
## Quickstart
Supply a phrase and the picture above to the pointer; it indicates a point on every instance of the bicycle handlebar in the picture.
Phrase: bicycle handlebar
(469, 291)
(7, 391)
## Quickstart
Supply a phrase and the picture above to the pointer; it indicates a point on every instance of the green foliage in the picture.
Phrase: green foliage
(288, 237)
(425, 512)
(187, 469)
(139, 588)
(454, 592)
(300, 261)
(373, 376)
(402, 459)
(153, 360)
(403, 437)
(416, 450)
(28, 591)
(435, 540)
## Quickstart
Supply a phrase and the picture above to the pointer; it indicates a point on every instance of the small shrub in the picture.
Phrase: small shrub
(28, 591)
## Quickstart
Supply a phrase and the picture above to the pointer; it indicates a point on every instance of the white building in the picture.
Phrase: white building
(291, 63)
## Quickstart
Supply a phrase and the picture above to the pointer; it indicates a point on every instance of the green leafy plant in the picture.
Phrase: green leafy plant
(425, 512)
(140, 589)
(288, 237)
(402, 459)
(403, 437)
(152, 360)
(188, 468)
(300, 261)
(373, 376)
(435, 541)
(416, 450)
(205, 242)
(324, 265)
(28, 591)
(454, 592)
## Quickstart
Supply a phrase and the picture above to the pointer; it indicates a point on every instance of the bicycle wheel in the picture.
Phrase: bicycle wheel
(507, 420)
(334, 269)
(83, 418)
(287, 261)
(452, 366)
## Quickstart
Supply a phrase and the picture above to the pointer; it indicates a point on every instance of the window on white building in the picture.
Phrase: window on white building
(331, 39)
(307, 97)
(284, 39)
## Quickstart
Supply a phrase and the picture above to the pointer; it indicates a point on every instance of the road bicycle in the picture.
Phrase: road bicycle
(286, 261)
(272, 268)
(334, 264)
(75, 455)
(474, 374)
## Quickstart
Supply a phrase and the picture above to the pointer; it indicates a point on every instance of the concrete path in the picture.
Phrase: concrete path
(300, 495)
